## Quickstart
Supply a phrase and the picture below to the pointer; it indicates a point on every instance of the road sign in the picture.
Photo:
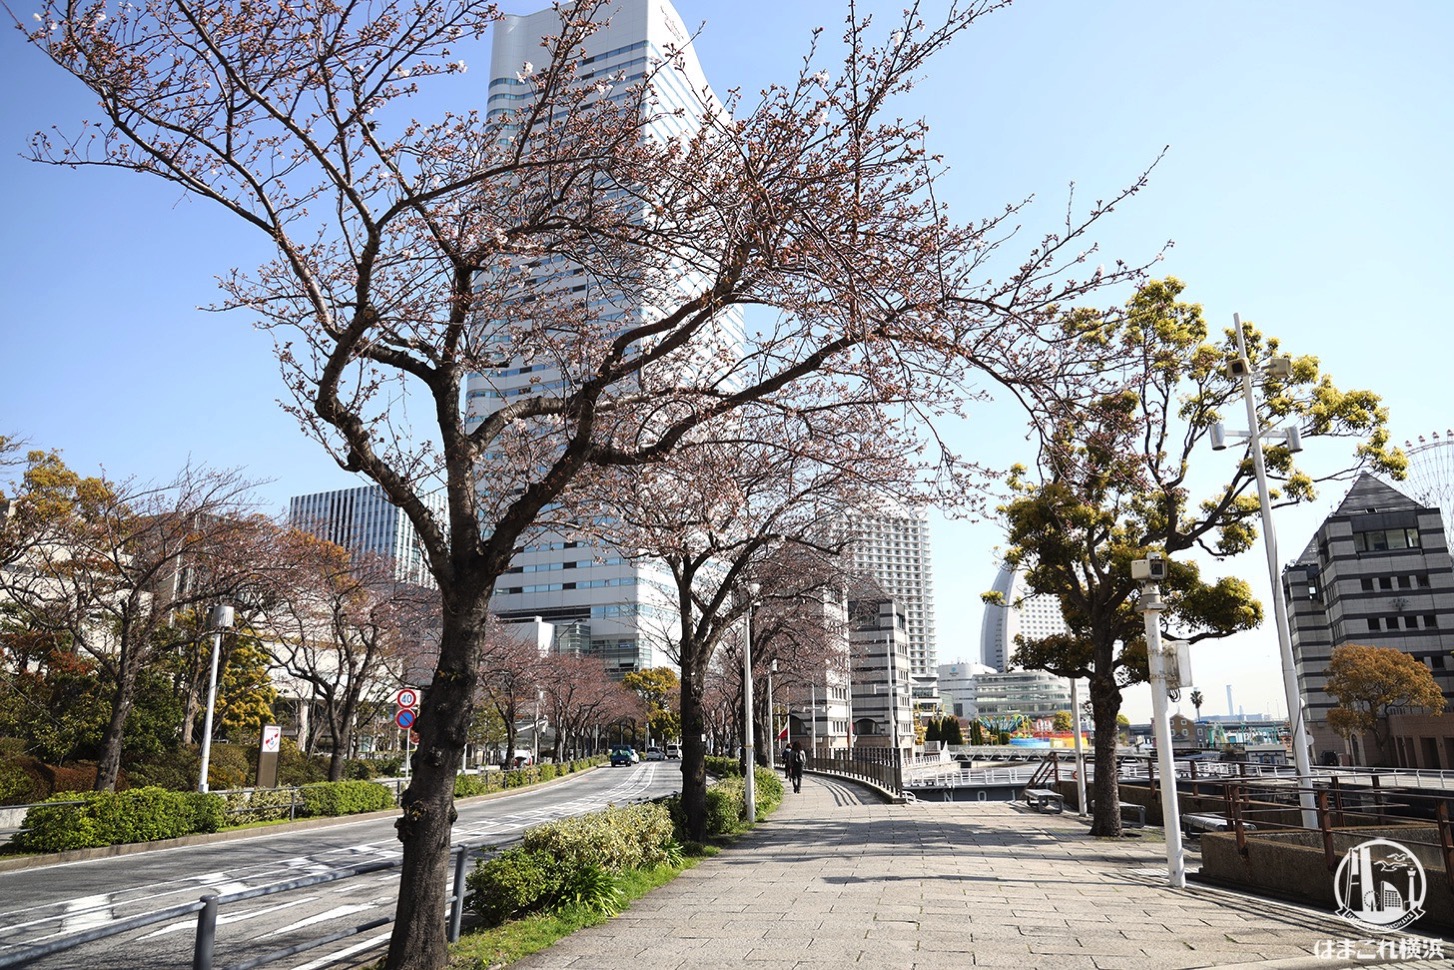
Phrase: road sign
(407, 697)
(405, 717)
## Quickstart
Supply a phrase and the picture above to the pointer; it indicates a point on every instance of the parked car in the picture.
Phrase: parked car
(674, 752)
(655, 754)
(622, 755)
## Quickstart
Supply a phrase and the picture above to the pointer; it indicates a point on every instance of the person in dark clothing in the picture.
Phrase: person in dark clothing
(797, 758)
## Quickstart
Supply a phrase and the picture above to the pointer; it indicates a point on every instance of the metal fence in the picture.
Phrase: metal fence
(208, 909)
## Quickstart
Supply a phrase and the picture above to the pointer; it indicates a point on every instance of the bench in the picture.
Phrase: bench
(1042, 799)
(1122, 807)
(1195, 824)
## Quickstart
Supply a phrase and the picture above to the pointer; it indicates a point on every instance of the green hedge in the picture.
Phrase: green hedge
(572, 862)
(330, 798)
(116, 818)
(466, 786)
(248, 805)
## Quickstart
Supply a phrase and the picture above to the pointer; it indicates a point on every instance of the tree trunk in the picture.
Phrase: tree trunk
(418, 941)
(1105, 705)
(108, 766)
(694, 755)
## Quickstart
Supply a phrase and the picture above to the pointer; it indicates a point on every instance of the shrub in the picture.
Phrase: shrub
(115, 818)
(573, 862)
(16, 785)
(248, 805)
(726, 803)
(329, 798)
(229, 766)
(22, 782)
(723, 767)
(515, 882)
(176, 769)
(768, 793)
(619, 838)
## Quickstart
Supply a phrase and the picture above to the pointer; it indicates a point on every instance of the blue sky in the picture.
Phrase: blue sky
(1307, 187)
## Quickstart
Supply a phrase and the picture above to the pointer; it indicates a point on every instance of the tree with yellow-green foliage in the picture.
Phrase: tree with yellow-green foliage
(1372, 682)
(1113, 486)
(661, 691)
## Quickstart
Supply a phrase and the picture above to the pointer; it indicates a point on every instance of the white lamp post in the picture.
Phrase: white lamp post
(1149, 572)
(1280, 367)
(221, 619)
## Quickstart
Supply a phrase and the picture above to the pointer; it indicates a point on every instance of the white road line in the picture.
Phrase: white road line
(329, 914)
(337, 955)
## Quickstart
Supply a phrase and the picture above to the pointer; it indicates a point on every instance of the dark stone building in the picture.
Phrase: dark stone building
(1377, 573)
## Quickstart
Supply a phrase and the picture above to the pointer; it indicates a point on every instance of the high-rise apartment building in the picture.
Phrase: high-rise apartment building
(893, 551)
(1377, 573)
(364, 521)
(599, 600)
(1023, 613)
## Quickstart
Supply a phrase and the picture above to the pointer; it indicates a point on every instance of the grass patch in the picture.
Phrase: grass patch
(519, 938)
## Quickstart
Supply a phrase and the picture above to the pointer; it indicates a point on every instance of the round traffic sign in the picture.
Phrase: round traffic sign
(407, 697)
(405, 718)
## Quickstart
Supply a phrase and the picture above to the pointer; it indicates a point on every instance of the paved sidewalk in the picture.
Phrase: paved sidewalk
(838, 878)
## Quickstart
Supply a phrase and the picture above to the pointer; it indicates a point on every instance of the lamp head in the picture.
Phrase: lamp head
(1218, 436)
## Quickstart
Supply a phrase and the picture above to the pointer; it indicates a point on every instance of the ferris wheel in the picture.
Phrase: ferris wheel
(1431, 473)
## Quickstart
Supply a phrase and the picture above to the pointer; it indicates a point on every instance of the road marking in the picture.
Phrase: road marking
(338, 955)
(335, 913)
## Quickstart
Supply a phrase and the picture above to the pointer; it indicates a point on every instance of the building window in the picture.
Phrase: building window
(1423, 580)
(1411, 622)
(1385, 582)
(1367, 584)
(1383, 540)
(1430, 621)
(1403, 582)
(1372, 626)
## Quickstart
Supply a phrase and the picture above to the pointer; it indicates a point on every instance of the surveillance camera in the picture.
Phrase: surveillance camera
(1279, 368)
(1238, 367)
(1152, 569)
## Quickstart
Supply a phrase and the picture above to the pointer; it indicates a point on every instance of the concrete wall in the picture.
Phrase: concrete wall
(1292, 864)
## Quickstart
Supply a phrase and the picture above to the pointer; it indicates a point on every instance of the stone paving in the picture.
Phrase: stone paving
(837, 877)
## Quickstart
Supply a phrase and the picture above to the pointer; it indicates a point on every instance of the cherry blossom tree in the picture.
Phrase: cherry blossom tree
(339, 626)
(412, 253)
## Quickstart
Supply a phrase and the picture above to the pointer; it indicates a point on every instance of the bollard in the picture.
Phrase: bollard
(456, 906)
(206, 933)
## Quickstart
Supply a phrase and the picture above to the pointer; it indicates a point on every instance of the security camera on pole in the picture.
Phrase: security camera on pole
(1149, 572)
(1278, 367)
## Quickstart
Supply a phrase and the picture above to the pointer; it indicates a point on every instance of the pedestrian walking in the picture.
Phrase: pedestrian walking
(796, 759)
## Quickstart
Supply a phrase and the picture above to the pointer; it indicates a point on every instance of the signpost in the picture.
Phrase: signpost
(407, 717)
(269, 746)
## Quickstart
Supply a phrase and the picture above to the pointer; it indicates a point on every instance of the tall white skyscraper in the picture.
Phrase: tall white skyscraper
(893, 550)
(363, 521)
(600, 602)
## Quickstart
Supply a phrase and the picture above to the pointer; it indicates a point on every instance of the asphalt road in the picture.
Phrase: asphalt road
(42, 904)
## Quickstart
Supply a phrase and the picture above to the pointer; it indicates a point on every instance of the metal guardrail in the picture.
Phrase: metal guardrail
(209, 906)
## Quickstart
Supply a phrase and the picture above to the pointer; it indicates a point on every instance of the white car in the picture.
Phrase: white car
(655, 754)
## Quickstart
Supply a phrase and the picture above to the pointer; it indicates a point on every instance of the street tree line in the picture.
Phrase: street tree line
(414, 252)
(105, 650)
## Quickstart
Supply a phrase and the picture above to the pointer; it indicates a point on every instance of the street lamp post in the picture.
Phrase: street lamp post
(1150, 605)
(749, 782)
(221, 619)
(1242, 369)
